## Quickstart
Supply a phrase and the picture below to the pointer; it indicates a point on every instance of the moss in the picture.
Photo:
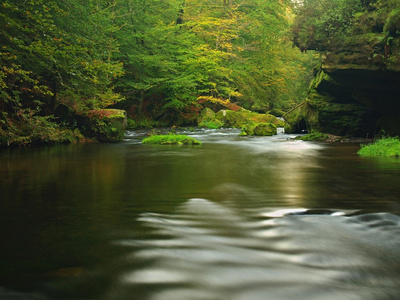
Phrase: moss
(171, 139)
(206, 114)
(106, 125)
(238, 119)
(248, 128)
(304, 117)
(265, 129)
(314, 136)
(344, 119)
(334, 118)
(217, 104)
(387, 147)
(215, 124)
(276, 112)
(207, 118)
(244, 119)
(260, 129)
(231, 118)
(319, 78)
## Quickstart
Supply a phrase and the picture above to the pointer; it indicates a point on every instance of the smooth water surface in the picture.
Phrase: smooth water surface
(235, 218)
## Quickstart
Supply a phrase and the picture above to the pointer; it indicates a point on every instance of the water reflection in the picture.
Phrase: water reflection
(110, 221)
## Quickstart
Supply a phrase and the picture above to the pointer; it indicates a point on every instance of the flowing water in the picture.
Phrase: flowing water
(236, 218)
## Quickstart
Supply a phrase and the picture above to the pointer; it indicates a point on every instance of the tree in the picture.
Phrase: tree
(58, 45)
(50, 55)
(322, 23)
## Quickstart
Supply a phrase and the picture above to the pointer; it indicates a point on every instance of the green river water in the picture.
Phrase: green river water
(236, 218)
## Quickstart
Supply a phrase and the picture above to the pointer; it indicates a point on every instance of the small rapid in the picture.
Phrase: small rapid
(208, 251)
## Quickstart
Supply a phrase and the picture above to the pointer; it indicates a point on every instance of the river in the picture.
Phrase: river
(238, 218)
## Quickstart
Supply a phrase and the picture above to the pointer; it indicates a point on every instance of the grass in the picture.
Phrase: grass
(388, 147)
(171, 139)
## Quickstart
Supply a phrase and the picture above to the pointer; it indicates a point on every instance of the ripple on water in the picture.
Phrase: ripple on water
(208, 251)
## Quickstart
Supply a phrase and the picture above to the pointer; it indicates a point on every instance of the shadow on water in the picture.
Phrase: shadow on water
(236, 218)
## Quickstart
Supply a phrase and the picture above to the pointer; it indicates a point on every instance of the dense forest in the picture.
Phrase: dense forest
(157, 59)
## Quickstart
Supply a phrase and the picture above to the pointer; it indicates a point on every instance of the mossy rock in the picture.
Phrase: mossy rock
(260, 129)
(335, 118)
(231, 119)
(314, 136)
(215, 124)
(106, 125)
(265, 129)
(171, 139)
(207, 118)
(248, 128)
(238, 119)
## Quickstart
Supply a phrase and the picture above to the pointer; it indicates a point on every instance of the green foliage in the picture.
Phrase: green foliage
(331, 24)
(153, 58)
(53, 52)
(171, 139)
(388, 147)
(321, 23)
(57, 46)
(29, 128)
(392, 25)
(131, 124)
(172, 54)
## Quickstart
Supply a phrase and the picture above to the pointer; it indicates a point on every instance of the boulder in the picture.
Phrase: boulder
(106, 125)
(250, 122)
(237, 119)
(265, 129)
(207, 118)
(356, 90)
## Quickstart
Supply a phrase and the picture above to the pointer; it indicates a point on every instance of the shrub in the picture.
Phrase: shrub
(27, 128)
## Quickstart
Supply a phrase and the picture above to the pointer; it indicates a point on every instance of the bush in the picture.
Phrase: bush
(389, 147)
(28, 129)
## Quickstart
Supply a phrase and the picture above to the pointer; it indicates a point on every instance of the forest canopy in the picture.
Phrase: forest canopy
(152, 58)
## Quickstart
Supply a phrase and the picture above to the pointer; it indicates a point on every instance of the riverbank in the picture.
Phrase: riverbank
(331, 138)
